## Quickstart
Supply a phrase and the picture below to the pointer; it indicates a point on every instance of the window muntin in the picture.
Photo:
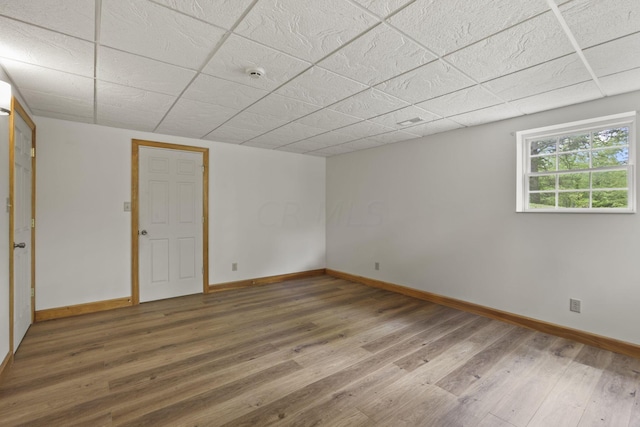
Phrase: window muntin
(578, 167)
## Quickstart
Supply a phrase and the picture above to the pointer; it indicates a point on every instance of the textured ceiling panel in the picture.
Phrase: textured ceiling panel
(224, 13)
(72, 17)
(330, 138)
(332, 151)
(596, 21)
(377, 56)
(327, 119)
(485, 115)
(428, 81)
(303, 146)
(255, 122)
(287, 134)
(282, 108)
(143, 73)
(369, 103)
(581, 92)
(34, 45)
(383, 8)
(194, 119)
(565, 71)
(63, 116)
(462, 101)
(436, 126)
(393, 119)
(153, 31)
(320, 87)
(130, 118)
(532, 42)
(223, 92)
(392, 137)
(361, 144)
(454, 24)
(364, 129)
(307, 29)
(621, 82)
(616, 56)
(226, 133)
(47, 102)
(237, 54)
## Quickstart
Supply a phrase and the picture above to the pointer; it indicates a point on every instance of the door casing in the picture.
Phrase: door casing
(135, 211)
(16, 108)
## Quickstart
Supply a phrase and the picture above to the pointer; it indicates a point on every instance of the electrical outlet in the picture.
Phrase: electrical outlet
(127, 206)
(234, 266)
(574, 305)
(377, 266)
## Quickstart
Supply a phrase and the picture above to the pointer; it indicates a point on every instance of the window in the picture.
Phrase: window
(584, 166)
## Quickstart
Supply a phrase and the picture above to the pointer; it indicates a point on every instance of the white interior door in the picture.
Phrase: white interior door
(170, 223)
(22, 230)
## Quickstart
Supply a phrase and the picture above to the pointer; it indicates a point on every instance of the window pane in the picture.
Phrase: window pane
(611, 157)
(611, 137)
(610, 199)
(546, 146)
(541, 183)
(574, 181)
(543, 164)
(574, 199)
(579, 160)
(612, 179)
(573, 142)
(542, 201)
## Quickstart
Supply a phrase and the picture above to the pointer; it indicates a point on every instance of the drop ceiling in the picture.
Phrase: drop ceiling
(340, 75)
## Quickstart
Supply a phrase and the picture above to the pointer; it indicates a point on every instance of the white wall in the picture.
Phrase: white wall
(266, 212)
(438, 213)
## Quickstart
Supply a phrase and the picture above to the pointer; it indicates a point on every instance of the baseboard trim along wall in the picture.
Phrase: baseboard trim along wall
(265, 280)
(6, 363)
(76, 310)
(599, 341)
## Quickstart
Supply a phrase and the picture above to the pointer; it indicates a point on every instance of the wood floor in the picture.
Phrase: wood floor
(318, 351)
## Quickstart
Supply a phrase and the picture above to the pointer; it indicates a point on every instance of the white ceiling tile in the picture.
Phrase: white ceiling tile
(486, 115)
(282, 107)
(596, 21)
(616, 56)
(369, 103)
(292, 148)
(446, 26)
(392, 137)
(45, 48)
(136, 71)
(462, 101)
(194, 119)
(319, 154)
(306, 29)
(303, 146)
(156, 32)
(320, 87)
(223, 92)
(237, 54)
(261, 144)
(226, 133)
(625, 81)
(49, 102)
(380, 54)
(330, 138)
(327, 119)
(575, 94)
(436, 126)
(255, 122)
(554, 74)
(73, 17)
(287, 134)
(428, 81)
(224, 13)
(62, 116)
(45, 80)
(530, 43)
(362, 144)
(364, 129)
(392, 119)
(383, 8)
(127, 118)
(333, 151)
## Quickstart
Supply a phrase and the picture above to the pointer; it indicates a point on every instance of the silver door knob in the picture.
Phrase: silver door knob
(19, 245)
(144, 232)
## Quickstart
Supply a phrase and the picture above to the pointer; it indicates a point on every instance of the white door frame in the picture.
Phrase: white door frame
(135, 211)
(16, 108)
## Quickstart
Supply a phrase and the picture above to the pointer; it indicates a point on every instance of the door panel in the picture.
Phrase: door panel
(170, 213)
(22, 230)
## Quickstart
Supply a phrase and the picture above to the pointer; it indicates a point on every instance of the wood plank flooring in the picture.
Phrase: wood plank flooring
(310, 352)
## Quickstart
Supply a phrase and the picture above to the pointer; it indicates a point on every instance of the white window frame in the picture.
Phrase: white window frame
(524, 156)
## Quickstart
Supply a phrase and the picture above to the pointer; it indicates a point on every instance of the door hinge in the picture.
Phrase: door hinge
(33, 292)
(202, 166)
(203, 220)
(33, 223)
(33, 151)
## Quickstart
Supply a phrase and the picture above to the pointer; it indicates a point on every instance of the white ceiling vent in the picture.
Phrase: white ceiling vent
(411, 121)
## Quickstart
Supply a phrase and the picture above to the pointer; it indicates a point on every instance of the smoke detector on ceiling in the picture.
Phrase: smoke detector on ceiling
(255, 72)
